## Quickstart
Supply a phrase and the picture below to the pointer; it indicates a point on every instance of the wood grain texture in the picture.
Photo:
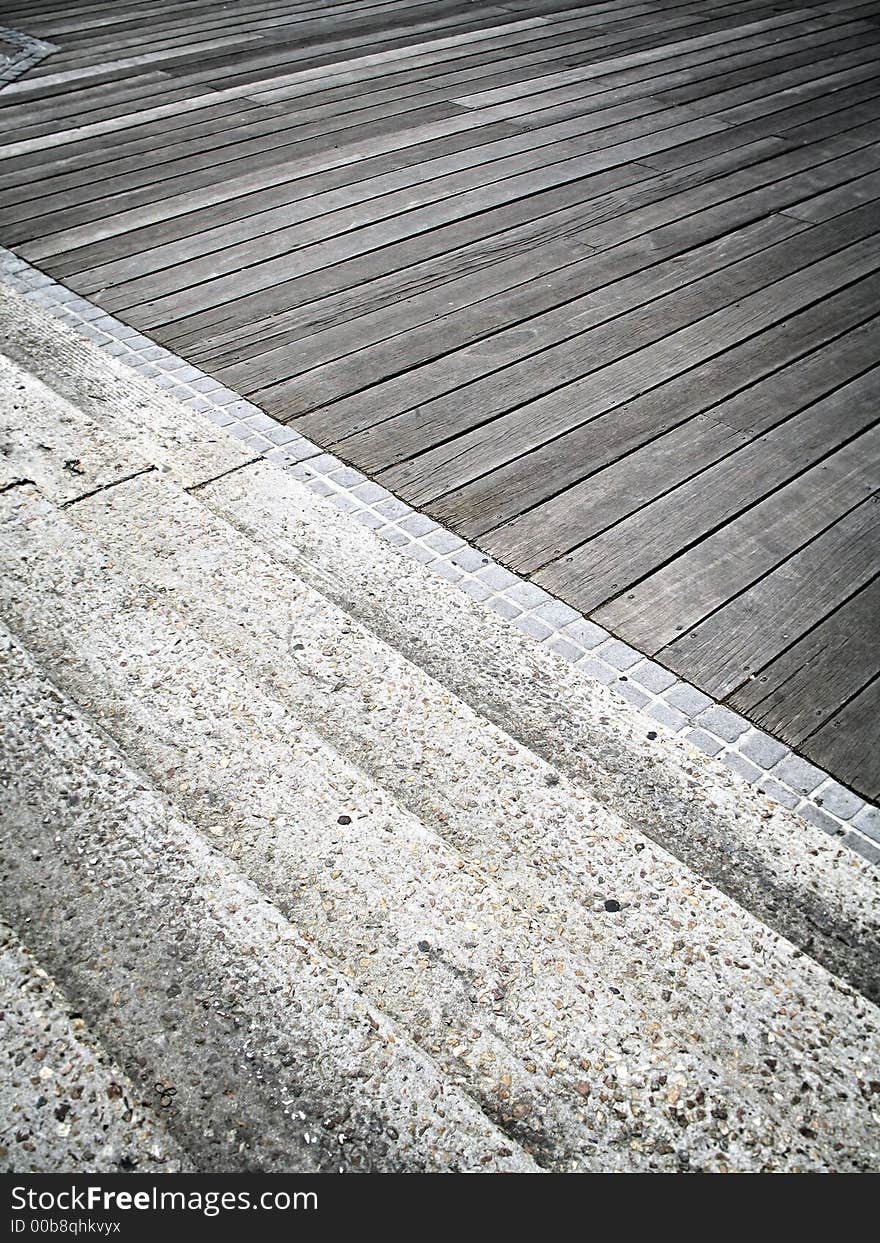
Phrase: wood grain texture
(595, 285)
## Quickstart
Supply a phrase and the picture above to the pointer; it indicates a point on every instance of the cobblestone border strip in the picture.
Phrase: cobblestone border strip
(667, 701)
(29, 52)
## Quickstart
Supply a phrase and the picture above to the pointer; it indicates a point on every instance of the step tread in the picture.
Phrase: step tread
(66, 1103)
(375, 891)
(186, 972)
(790, 874)
(115, 398)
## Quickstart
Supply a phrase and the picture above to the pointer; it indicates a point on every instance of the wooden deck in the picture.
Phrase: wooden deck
(596, 285)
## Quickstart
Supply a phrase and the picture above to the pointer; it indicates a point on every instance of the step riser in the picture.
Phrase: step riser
(65, 1103)
(192, 981)
(790, 875)
(370, 893)
(385, 864)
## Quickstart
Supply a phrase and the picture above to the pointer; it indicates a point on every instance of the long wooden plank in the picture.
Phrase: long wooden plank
(690, 66)
(849, 744)
(609, 562)
(118, 210)
(521, 224)
(855, 193)
(578, 99)
(662, 212)
(809, 577)
(89, 190)
(316, 40)
(687, 47)
(558, 310)
(151, 142)
(798, 691)
(264, 278)
(137, 118)
(631, 354)
(591, 476)
(692, 586)
(61, 184)
(266, 16)
(747, 633)
(283, 221)
(760, 87)
(847, 112)
(547, 46)
(392, 47)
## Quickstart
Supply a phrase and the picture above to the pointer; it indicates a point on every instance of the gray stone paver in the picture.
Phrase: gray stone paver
(837, 800)
(704, 741)
(594, 668)
(867, 821)
(671, 717)
(798, 774)
(619, 654)
(821, 819)
(556, 614)
(741, 766)
(505, 607)
(762, 749)
(586, 633)
(534, 626)
(468, 559)
(723, 723)
(775, 789)
(688, 699)
(497, 577)
(653, 678)
(632, 694)
(568, 651)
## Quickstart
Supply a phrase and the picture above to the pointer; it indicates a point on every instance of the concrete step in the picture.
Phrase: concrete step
(65, 1104)
(601, 1003)
(259, 1053)
(450, 937)
(812, 890)
(386, 716)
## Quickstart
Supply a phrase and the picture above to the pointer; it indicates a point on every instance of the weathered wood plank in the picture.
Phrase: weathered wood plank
(797, 692)
(629, 549)
(748, 632)
(657, 214)
(267, 275)
(274, 230)
(653, 344)
(692, 586)
(596, 285)
(740, 390)
(581, 300)
(849, 744)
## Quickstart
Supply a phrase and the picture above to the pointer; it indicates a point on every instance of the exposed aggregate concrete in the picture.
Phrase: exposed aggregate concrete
(63, 1103)
(259, 1053)
(814, 891)
(460, 905)
(811, 889)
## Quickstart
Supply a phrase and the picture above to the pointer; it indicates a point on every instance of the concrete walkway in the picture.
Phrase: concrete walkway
(343, 871)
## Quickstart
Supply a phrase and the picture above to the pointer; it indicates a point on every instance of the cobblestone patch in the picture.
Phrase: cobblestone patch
(667, 701)
(19, 53)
